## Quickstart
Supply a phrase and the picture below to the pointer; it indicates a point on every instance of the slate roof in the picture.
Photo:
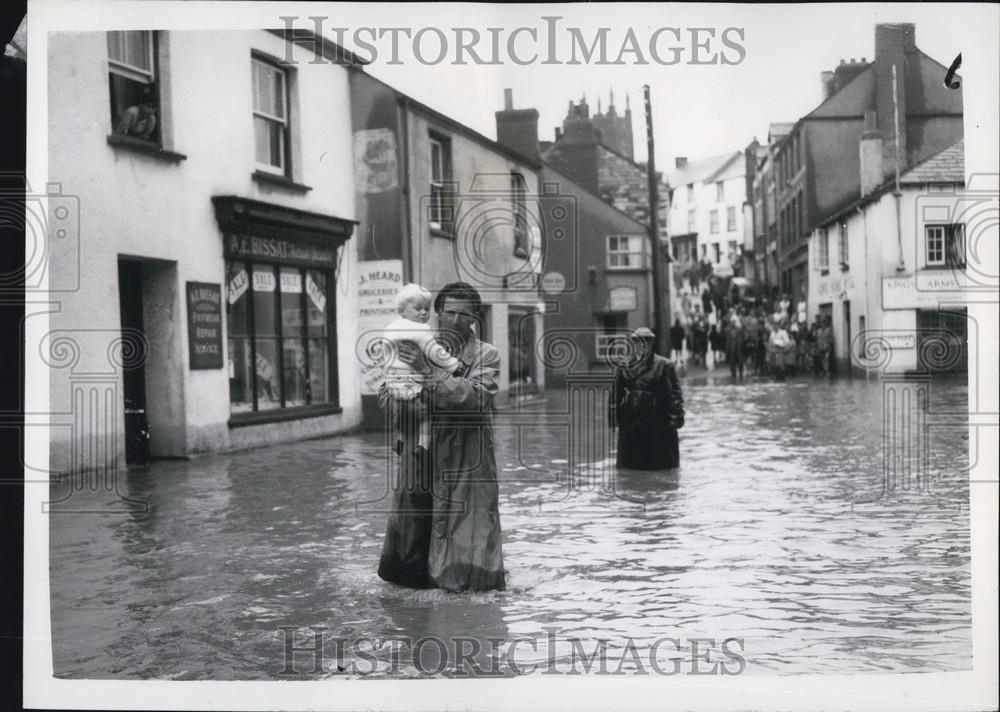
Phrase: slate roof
(947, 166)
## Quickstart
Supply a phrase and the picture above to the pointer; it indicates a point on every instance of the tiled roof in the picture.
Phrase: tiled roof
(947, 166)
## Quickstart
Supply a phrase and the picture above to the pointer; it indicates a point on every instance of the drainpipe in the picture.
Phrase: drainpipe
(901, 265)
(404, 150)
(864, 224)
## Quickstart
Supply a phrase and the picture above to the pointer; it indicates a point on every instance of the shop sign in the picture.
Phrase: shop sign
(260, 247)
(263, 280)
(909, 292)
(315, 294)
(204, 312)
(238, 286)
(378, 283)
(291, 282)
(622, 299)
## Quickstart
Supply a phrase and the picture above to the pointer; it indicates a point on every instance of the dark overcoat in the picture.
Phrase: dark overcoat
(647, 406)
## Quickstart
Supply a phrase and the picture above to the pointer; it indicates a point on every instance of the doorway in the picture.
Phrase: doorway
(847, 337)
(130, 289)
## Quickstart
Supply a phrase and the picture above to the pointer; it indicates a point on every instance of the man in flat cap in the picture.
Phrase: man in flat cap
(647, 407)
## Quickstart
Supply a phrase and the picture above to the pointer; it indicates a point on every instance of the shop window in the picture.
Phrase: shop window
(521, 340)
(441, 186)
(519, 208)
(626, 251)
(945, 245)
(270, 117)
(279, 321)
(730, 219)
(132, 79)
(713, 222)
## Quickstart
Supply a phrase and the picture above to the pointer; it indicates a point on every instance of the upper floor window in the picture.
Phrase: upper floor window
(843, 246)
(730, 219)
(945, 245)
(270, 117)
(718, 252)
(692, 222)
(522, 239)
(440, 179)
(823, 250)
(690, 192)
(713, 222)
(626, 251)
(720, 191)
(132, 79)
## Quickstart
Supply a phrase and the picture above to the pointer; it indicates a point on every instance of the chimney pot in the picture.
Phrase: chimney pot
(852, 60)
(508, 99)
(558, 133)
(842, 61)
(680, 161)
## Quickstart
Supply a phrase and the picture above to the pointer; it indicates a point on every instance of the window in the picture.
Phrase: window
(733, 250)
(627, 251)
(945, 245)
(718, 252)
(822, 250)
(270, 117)
(842, 245)
(690, 192)
(713, 222)
(731, 219)
(280, 322)
(522, 237)
(720, 191)
(692, 220)
(132, 79)
(441, 219)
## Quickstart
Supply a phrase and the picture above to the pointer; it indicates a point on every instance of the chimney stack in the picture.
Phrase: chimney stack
(870, 154)
(517, 129)
(826, 82)
(892, 42)
(558, 132)
(680, 161)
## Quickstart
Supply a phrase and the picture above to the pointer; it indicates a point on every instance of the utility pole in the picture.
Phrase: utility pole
(654, 227)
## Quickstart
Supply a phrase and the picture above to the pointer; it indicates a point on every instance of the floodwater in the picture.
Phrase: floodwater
(782, 533)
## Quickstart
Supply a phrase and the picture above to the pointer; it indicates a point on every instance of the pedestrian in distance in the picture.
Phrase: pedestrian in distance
(646, 408)
(734, 347)
(677, 342)
(779, 345)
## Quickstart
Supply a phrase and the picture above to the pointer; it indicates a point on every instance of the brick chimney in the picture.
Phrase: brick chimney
(680, 161)
(870, 155)
(826, 82)
(892, 43)
(517, 129)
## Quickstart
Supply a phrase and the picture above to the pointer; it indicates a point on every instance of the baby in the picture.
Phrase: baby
(413, 303)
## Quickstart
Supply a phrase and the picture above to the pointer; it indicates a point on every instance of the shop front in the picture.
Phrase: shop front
(281, 274)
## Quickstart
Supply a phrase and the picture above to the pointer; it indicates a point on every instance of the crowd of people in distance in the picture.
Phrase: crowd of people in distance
(759, 339)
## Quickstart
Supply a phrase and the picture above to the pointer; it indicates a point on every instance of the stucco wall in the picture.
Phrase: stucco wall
(139, 206)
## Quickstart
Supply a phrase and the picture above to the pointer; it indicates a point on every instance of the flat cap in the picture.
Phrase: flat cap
(643, 332)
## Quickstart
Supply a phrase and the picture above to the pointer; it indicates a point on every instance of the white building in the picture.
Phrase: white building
(706, 220)
(896, 289)
(205, 270)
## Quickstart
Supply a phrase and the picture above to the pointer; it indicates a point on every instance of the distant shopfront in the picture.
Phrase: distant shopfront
(281, 276)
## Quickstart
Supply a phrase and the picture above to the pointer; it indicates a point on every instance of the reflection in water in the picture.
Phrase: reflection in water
(779, 528)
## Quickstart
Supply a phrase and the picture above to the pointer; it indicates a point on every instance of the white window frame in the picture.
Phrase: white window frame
(280, 120)
(823, 249)
(692, 223)
(940, 231)
(438, 181)
(713, 222)
(131, 71)
(843, 245)
(731, 213)
(635, 252)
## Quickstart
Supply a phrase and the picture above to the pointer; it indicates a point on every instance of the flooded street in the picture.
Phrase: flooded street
(778, 530)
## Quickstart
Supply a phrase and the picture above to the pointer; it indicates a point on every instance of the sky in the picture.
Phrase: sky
(699, 110)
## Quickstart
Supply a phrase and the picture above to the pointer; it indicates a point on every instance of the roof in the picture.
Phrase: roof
(778, 129)
(947, 166)
(697, 171)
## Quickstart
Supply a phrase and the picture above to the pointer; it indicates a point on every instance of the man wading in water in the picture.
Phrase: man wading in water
(647, 407)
